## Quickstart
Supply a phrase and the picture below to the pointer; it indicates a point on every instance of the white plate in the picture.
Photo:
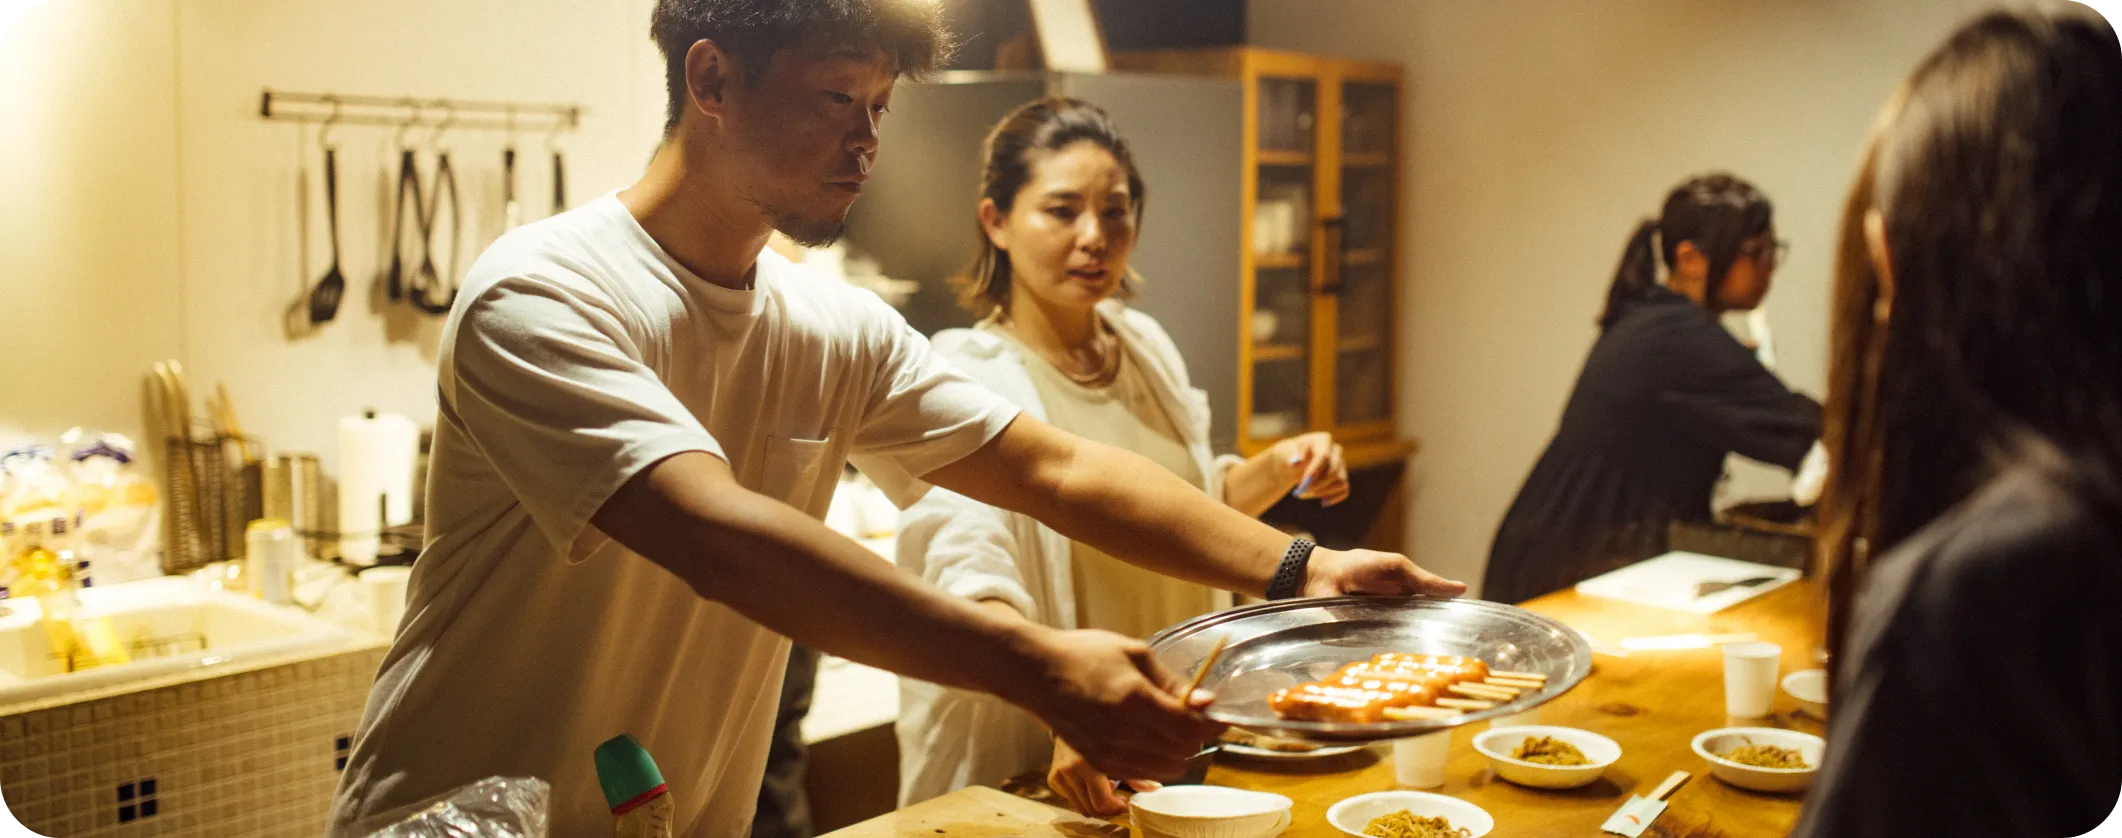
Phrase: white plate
(1253, 752)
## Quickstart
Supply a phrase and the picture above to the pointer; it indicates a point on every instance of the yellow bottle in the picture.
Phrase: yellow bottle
(44, 569)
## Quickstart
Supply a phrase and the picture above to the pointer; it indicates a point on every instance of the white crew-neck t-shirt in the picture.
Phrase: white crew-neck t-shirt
(578, 354)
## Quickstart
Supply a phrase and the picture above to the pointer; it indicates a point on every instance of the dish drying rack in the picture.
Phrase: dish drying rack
(210, 473)
(211, 492)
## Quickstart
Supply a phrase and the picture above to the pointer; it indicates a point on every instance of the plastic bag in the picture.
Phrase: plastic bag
(36, 487)
(496, 807)
(121, 527)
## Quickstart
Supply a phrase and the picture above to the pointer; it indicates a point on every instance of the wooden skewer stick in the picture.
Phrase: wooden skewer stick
(1485, 693)
(1487, 688)
(1408, 714)
(1671, 783)
(1518, 676)
(1201, 673)
(1515, 683)
(1465, 703)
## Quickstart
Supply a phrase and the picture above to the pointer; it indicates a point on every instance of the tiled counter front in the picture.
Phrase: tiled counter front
(247, 754)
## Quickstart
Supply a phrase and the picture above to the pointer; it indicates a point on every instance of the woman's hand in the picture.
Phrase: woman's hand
(1314, 466)
(1084, 788)
(1310, 464)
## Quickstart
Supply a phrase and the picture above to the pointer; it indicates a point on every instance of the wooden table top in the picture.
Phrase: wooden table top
(1652, 703)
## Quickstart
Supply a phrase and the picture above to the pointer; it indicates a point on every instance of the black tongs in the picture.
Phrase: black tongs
(426, 290)
(430, 292)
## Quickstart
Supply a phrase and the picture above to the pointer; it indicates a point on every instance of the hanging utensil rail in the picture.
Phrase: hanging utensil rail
(459, 114)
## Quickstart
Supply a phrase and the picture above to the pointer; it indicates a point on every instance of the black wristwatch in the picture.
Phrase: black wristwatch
(1289, 577)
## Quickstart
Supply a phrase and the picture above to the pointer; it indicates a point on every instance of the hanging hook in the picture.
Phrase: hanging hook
(449, 117)
(552, 144)
(511, 210)
(324, 135)
(562, 120)
(412, 118)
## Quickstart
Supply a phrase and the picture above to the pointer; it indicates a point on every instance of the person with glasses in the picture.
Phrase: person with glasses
(1666, 394)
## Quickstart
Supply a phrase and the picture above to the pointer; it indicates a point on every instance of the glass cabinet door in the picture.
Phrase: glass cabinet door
(1281, 327)
(1363, 284)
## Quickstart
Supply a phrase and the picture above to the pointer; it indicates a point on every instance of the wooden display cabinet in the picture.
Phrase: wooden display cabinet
(1319, 248)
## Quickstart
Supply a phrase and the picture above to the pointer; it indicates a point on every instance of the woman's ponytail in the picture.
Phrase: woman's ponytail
(1637, 274)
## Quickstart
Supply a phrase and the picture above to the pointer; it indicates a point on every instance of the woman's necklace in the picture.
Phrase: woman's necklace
(1102, 356)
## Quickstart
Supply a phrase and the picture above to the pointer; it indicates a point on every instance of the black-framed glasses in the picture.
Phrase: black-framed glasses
(1767, 255)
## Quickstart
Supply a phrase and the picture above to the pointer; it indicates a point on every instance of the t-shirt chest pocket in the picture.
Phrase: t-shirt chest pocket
(792, 472)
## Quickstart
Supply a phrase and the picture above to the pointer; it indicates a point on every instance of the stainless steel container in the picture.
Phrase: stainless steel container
(294, 486)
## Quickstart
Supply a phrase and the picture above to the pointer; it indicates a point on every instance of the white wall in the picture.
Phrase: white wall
(89, 251)
(1535, 135)
(149, 212)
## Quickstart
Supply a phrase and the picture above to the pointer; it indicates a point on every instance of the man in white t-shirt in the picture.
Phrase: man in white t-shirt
(642, 417)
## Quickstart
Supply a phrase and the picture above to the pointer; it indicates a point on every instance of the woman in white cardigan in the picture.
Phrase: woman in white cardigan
(1061, 201)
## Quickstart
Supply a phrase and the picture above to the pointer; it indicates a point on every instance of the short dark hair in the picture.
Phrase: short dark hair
(1041, 125)
(910, 32)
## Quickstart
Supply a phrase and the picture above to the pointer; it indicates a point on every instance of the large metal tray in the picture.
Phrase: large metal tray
(1278, 644)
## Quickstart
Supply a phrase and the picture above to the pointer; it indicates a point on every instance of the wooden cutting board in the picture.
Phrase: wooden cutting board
(980, 812)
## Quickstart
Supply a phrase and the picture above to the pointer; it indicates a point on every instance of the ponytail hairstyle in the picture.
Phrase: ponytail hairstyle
(1041, 126)
(1717, 211)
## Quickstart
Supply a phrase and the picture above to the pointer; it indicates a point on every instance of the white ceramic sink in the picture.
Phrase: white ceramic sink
(169, 624)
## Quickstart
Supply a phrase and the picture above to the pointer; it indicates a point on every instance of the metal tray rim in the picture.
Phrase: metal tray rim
(1352, 732)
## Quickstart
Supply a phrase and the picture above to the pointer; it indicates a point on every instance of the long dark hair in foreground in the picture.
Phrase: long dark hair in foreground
(1996, 174)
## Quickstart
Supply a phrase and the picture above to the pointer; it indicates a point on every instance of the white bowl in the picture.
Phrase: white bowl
(1209, 812)
(1809, 687)
(1709, 743)
(1498, 745)
(1352, 815)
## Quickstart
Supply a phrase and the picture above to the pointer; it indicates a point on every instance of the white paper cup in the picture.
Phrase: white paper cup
(1418, 761)
(1750, 678)
(386, 588)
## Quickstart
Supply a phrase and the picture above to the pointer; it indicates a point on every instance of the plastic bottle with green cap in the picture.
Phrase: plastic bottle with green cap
(634, 789)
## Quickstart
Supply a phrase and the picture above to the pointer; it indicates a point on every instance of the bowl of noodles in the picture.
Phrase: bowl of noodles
(1761, 758)
(1409, 814)
(1546, 757)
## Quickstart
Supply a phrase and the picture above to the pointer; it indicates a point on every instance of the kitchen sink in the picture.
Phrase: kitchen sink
(169, 625)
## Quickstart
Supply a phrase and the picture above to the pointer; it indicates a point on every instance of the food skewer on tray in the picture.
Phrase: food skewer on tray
(1391, 685)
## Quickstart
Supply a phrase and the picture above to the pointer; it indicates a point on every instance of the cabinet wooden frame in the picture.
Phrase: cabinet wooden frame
(1369, 442)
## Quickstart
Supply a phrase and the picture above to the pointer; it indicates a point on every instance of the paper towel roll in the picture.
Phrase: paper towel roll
(376, 459)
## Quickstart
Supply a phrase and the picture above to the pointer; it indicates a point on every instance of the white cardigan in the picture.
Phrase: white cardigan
(949, 739)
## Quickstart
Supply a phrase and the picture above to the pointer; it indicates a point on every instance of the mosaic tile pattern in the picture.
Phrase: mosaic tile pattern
(248, 755)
